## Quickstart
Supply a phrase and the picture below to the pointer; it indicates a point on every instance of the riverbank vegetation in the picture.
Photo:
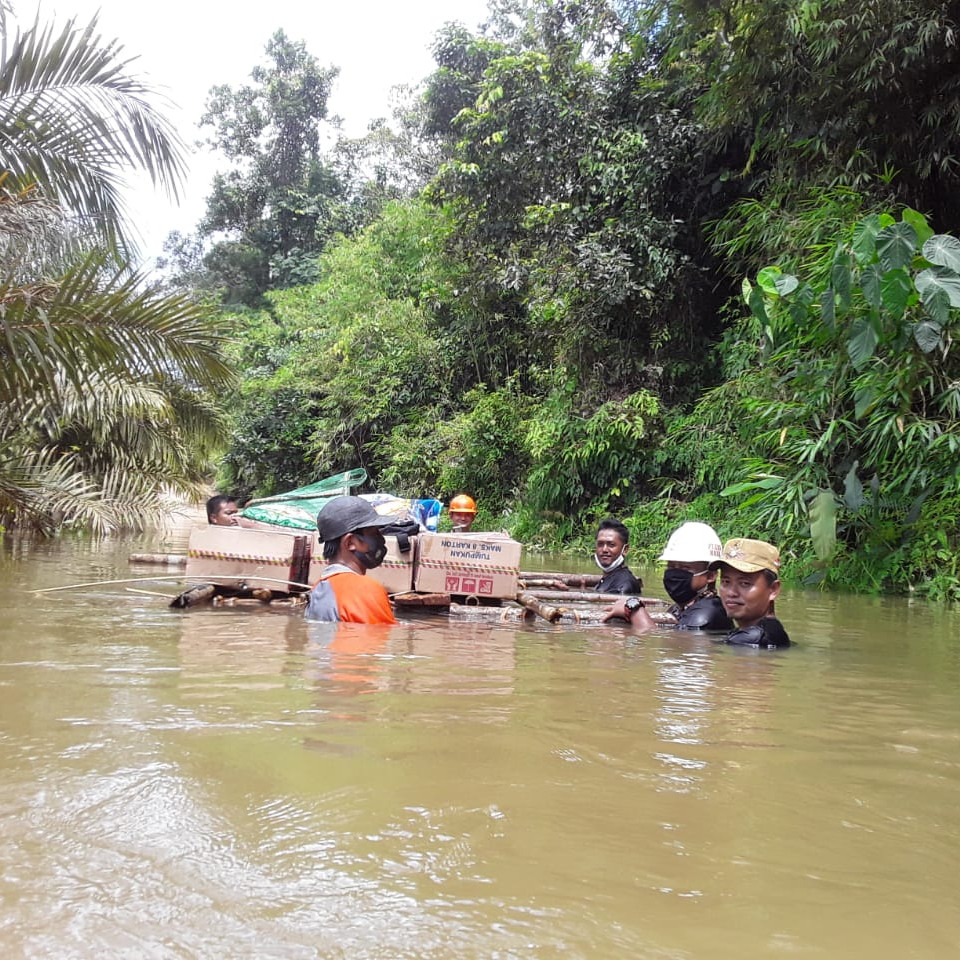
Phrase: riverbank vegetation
(656, 258)
(666, 260)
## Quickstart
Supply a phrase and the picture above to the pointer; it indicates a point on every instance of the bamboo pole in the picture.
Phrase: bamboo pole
(549, 613)
(586, 596)
(193, 596)
(570, 579)
(569, 616)
(169, 559)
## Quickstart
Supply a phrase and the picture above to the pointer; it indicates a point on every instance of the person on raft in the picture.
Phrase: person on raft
(610, 551)
(689, 581)
(749, 585)
(223, 511)
(349, 529)
(463, 511)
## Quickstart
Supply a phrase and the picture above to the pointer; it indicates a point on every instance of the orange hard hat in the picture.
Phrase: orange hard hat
(462, 504)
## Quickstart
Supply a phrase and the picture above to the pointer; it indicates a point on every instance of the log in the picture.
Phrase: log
(570, 579)
(549, 613)
(558, 585)
(195, 595)
(574, 596)
(412, 599)
(569, 616)
(168, 559)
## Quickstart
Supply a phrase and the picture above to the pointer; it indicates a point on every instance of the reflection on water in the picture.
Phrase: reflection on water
(238, 783)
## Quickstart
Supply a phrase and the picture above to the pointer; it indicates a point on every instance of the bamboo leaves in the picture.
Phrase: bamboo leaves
(864, 364)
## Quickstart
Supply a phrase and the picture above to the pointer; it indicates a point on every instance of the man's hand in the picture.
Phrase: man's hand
(617, 612)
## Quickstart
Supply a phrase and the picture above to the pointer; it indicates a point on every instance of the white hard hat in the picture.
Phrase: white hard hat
(693, 541)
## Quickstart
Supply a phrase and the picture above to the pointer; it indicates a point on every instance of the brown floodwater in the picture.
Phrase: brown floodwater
(226, 783)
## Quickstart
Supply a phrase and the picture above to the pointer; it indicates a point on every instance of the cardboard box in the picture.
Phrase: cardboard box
(395, 573)
(234, 557)
(474, 564)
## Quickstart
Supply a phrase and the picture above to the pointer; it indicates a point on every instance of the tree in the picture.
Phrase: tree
(73, 119)
(575, 182)
(806, 96)
(283, 198)
(101, 376)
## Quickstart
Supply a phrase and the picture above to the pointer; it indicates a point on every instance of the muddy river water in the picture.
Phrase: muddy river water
(223, 783)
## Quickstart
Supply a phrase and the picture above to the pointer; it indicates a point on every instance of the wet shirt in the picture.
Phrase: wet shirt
(620, 580)
(767, 634)
(705, 613)
(342, 594)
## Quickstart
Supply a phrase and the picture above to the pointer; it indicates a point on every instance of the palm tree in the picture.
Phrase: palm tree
(103, 377)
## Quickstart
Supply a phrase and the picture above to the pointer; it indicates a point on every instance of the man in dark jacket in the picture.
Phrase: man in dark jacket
(749, 584)
(613, 542)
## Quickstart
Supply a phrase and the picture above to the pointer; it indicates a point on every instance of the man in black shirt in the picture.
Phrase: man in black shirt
(613, 541)
(749, 585)
(689, 582)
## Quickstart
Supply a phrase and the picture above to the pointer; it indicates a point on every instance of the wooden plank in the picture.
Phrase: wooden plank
(421, 599)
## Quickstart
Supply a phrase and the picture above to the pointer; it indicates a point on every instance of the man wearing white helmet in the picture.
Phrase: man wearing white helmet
(689, 582)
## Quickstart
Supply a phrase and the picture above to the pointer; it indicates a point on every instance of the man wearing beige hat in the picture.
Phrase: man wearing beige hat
(749, 584)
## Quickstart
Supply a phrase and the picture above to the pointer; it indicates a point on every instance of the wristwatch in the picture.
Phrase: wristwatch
(632, 605)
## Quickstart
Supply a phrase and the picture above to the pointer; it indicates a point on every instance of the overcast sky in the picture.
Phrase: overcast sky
(184, 47)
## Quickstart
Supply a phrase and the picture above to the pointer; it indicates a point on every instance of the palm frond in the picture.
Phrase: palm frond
(39, 492)
(73, 119)
(90, 326)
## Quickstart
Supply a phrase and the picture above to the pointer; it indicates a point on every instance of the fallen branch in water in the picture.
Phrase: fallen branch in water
(549, 613)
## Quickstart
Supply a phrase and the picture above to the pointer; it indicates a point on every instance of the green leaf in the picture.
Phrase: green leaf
(823, 524)
(767, 280)
(786, 283)
(870, 284)
(944, 251)
(828, 309)
(799, 313)
(757, 306)
(746, 288)
(865, 238)
(863, 343)
(937, 304)
(853, 488)
(864, 398)
(927, 333)
(841, 279)
(896, 245)
(941, 278)
(919, 223)
(767, 483)
(895, 290)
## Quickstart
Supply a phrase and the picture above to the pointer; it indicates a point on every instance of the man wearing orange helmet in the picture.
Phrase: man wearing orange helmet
(463, 511)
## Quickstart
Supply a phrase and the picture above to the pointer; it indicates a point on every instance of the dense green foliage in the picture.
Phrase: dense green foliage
(559, 322)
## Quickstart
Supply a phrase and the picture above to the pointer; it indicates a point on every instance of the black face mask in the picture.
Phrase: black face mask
(679, 585)
(373, 556)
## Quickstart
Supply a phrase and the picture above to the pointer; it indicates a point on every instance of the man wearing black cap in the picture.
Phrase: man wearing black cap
(352, 544)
